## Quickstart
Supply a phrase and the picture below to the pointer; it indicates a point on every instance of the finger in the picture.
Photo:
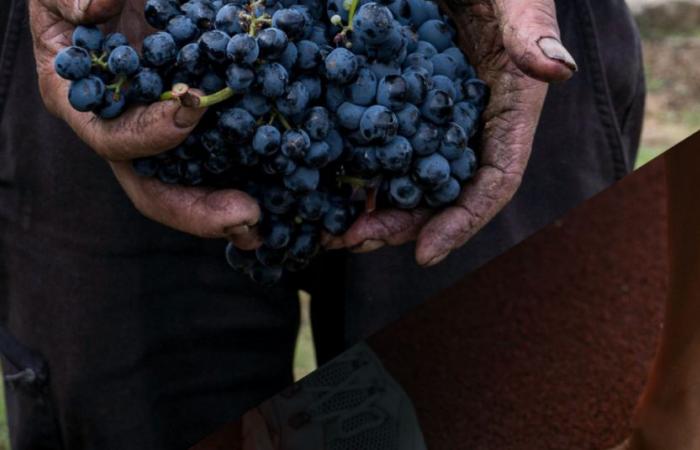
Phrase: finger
(198, 211)
(86, 11)
(245, 237)
(510, 122)
(140, 131)
(374, 230)
(531, 38)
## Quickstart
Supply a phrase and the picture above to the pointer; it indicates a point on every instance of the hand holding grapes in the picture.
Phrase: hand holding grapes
(515, 46)
(141, 131)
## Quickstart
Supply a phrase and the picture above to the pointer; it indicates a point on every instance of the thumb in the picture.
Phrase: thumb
(88, 11)
(531, 38)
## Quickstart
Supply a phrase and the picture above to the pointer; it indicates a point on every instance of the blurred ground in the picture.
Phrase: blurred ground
(671, 37)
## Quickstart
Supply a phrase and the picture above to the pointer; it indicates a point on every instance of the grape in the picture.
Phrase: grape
(454, 142)
(437, 33)
(305, 244)
(272, 43)
(432, 171)
(396, 155)
(363, 90)
(159, 12)
(277, 199)
(418, 84)
(264, 275)
(211, 82)
(444, 64)
(303, 179)
(409, 119)
(426, 48)
(381, 70)
(255, 104)
(443, 195)
(465, 114)
(437, 107)
(123, 61)
(88, 37)
(276, 233)
(86, 94)
(295, 143)
(350, 115)
(404, 193)
(200, 13)
(309, 55)
(312, 85)
(317, 123)
(228, 19)
(318, 155)
(418, 60)
(273, 79)
(463, 168)
(338, 218)
(392, 92)
(159, 49)
(475, 92)
(378, 124)
(373, 22)
(73, 63)
(112, 106)
(182, 29)
(312, 206)
(213, 45)
(290, 21)
(239, 78)
(341, 65)
(289, 56)
(189, 59)
(322, 109)
(294, 100)
(112, 41)
(236, 125)
(267, 140)
(242, 49)
(443, 83)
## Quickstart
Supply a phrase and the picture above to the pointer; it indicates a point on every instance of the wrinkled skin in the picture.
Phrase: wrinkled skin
(500, 37)
(140, 131)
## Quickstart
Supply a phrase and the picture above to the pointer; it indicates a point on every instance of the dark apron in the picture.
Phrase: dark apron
(148, 341)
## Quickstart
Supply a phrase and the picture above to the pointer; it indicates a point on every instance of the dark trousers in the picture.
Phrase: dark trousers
(151, 342)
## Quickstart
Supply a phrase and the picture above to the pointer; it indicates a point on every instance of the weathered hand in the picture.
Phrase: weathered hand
(515, 47)
(140, 131)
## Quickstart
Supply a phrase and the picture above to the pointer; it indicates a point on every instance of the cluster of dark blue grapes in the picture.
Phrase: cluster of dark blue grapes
(316, 110)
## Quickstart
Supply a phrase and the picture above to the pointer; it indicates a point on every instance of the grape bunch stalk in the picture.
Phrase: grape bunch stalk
(318, 111)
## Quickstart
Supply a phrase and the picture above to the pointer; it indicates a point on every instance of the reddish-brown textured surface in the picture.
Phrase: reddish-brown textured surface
(548, 346)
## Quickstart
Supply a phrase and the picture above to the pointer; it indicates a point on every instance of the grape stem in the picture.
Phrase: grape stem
(184, 95)
(255, 21)
(282, 119)
(99, 61)
(117, 86)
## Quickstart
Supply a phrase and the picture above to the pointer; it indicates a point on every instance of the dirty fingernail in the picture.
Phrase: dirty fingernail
(436, 259)
(187, 117)
(369, 245)
(237, 230)
(84, 4)
(553, 49)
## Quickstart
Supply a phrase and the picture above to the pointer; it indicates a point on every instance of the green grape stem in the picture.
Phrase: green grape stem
(184, 95)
